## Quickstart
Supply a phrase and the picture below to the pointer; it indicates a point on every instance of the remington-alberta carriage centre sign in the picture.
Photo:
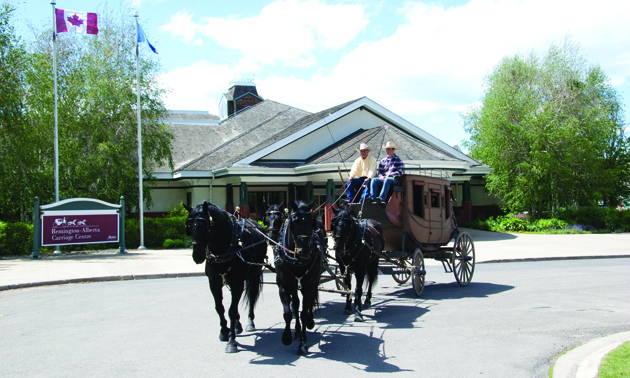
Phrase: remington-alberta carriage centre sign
(80, 221)
(79, 228)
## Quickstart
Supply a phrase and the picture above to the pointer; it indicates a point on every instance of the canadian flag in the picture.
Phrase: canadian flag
(76, 22)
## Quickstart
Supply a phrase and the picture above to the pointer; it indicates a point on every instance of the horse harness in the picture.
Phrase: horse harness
(236, 244)
(283, 258)
(355, 247)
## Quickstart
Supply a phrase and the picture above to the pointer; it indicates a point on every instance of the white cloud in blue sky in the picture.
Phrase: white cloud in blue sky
(422, 60)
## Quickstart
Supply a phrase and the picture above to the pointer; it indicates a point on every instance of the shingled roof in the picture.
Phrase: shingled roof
(410, 148)
(209, 146)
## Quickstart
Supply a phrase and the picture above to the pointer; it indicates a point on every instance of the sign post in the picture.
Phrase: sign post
(36, 224)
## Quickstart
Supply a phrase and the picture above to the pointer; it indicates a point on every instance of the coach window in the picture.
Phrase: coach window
(419, 198)
(435, 199)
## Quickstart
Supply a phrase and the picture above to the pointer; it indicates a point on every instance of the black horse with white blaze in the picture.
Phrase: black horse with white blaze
(298, 269)
(234, 252)
(355, 244)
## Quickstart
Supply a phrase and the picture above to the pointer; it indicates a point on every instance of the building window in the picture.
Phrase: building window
(259, 202)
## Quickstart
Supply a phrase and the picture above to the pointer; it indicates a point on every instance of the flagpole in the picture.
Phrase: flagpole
(135, 14)
(54, 43)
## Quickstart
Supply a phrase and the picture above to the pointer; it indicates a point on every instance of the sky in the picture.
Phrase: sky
(423, 60)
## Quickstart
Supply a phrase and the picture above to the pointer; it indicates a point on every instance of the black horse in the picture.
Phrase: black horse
(298, 268)
(234, 252)
(273, 219)
(355, 244)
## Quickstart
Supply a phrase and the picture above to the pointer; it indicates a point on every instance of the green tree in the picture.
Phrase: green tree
(552, 129)
(97, 122)
(15, 135)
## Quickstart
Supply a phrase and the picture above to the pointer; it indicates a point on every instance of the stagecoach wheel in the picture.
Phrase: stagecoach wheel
(418, 272)
(401, 274)
(463, 259)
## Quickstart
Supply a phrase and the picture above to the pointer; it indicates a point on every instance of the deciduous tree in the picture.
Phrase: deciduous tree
(552, 128)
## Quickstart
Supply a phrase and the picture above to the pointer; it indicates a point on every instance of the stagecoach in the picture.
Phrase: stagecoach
(418, 223)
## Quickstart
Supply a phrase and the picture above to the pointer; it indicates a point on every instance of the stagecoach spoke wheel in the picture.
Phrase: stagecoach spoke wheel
(401, 273)
(463, 259)
(418, 272)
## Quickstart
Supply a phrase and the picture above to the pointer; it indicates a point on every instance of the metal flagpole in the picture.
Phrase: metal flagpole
(135, 14)
(54, 42)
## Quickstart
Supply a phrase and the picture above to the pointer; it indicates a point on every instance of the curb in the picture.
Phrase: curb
(531, 259)
(584, 361)
(101, 279)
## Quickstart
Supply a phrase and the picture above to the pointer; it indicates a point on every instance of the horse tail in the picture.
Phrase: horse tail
(371, 273)
(253, 288)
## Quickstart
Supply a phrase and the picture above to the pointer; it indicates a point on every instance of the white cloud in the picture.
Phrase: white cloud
(438, 58)
(181, 26)
(195, 87)
(432, 66)
(286, 32)
(138, 3)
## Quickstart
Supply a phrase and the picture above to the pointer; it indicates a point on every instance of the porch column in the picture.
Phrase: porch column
(467, 202)
(291, 196)
(310, 192)
(229, 199)
(330, 195)
(244, 213)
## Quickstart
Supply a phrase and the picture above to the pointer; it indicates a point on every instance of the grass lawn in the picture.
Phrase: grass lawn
(616, 363)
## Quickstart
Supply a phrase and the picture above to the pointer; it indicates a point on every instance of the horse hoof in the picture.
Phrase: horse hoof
(231, 348)
(223, 336)
(239, 328)
(286, 338)
(310, 323)
(302, 350)
(250, 327)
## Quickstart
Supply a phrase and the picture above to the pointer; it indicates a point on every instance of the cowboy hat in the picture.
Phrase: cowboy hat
(392, 145)
(364, 146)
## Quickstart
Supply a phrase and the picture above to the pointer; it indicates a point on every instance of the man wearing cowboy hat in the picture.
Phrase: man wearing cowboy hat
(389, 169)
(363, 169)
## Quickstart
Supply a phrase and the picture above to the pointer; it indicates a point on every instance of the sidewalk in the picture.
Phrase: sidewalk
(489, 247)
(137, 264)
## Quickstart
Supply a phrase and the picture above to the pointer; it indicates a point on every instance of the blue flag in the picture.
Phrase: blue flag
(143, 38)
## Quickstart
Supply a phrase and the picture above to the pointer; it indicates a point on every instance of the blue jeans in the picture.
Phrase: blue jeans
(387, 183)
(354, 185)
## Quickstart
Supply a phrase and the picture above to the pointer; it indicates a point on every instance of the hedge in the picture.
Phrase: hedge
(16, 238)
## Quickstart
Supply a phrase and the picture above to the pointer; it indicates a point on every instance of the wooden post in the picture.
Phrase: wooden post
(121, 226)
(36, 230)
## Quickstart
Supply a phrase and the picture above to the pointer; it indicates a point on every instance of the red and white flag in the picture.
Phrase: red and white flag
(76, 22)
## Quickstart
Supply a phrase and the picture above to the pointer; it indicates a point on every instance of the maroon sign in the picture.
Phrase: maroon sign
(76, 228)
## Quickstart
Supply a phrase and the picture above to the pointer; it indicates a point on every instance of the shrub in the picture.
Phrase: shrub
(156, 230)
(597, 217)
(170, 244)
(549, 224)
(16, 238)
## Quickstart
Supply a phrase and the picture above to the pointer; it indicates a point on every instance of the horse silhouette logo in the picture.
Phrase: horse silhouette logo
(81, 223)
(72, 223)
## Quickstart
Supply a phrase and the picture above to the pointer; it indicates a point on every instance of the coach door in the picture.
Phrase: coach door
(436, 212)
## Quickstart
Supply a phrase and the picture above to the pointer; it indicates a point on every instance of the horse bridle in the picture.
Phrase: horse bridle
(277, 215)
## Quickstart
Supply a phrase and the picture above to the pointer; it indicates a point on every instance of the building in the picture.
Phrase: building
(263, 152)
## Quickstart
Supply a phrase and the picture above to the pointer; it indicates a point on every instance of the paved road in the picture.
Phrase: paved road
(511, 321)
